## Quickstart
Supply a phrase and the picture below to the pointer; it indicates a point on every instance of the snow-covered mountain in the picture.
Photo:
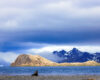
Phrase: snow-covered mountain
(76, 55)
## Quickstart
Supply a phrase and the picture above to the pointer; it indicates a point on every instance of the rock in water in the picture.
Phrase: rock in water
(35, 73)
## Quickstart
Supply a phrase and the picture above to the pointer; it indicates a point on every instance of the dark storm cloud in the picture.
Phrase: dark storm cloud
(26, 24)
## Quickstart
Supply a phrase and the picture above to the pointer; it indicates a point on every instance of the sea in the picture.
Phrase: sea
(59, 70)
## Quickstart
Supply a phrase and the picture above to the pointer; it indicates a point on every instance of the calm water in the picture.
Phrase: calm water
(92, 70)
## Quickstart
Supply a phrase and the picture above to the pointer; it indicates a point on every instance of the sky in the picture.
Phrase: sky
(42, 26)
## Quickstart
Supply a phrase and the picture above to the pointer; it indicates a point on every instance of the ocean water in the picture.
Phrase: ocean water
(71, 70)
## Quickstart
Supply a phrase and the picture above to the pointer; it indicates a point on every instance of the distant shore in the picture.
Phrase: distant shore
(36, 60)
(84, 77)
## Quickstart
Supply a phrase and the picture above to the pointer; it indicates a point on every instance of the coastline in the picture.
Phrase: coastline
(57, 77)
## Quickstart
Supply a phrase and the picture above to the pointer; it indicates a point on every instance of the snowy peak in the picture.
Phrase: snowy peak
(60, 53)
(74, 50)
(76, 55)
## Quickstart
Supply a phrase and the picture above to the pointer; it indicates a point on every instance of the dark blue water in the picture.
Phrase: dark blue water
(71, 70)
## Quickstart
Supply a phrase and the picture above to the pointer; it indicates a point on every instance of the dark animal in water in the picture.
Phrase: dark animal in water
(35, 73)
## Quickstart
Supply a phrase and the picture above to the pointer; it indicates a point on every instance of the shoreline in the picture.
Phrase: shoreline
(53, 77)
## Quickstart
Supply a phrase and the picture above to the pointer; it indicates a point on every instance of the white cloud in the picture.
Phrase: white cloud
(8, 56)
(50, 49)
(11, 23)
(68, 8)
(36, 14)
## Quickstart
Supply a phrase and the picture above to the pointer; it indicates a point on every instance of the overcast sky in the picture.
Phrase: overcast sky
(37, 24)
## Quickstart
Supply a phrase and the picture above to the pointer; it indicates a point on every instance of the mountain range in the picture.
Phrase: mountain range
(76, 55)
(36, 60)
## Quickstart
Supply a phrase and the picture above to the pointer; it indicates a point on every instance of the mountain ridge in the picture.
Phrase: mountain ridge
(76, 55)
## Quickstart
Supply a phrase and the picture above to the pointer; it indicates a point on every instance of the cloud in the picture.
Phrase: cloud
(19, 46)
(8, 56)
(11, 24)
(48, 22)
(58, 14)
(51, 48)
